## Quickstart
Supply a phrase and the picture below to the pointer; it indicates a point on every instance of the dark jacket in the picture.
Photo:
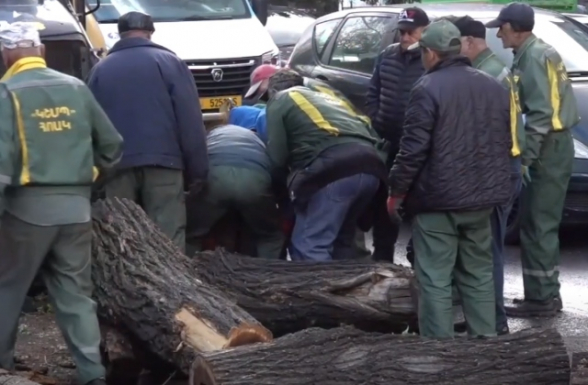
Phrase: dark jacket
(238, 147)
(455, 152)
(395, 73)
(151, 98)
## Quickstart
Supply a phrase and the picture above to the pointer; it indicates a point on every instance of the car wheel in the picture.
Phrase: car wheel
(513, 225)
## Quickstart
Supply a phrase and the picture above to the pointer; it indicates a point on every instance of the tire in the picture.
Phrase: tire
(513, 225)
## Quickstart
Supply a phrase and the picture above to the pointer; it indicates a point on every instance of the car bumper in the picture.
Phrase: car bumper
(212, 116)
(576, 204)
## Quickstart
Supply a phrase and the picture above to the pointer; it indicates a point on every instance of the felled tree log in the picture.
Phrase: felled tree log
(7, 378)
(290, 296)
(579, 369)
(346, 356)
(142, 284)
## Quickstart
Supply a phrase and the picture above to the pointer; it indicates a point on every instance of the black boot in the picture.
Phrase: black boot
(529, 308)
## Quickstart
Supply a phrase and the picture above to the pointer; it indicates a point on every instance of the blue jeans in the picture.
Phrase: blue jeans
(326, 227)
(498, 219)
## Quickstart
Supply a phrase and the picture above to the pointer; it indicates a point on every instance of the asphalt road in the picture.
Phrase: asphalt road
(572, 323)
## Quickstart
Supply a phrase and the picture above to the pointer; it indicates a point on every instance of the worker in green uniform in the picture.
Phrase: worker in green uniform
(550, 111)
(320, 86)
(452, 169)
(53, 134)
(473, 46)
(239, 181)
(332, 161)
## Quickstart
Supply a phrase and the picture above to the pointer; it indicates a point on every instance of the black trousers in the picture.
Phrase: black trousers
(385, 232)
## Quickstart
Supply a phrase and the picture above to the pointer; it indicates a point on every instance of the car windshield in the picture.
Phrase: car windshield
(172, 10)
(569, 39)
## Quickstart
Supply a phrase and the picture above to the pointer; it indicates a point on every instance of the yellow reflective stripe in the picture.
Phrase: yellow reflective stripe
(514, 122)
(312, 112)
(554, 95)
(95, 173)
(345, 104)
(25, 174)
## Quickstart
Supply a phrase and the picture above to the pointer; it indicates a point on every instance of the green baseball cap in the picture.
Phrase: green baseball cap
(442, 36)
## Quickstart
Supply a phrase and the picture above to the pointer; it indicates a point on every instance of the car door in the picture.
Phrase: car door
(348, 60)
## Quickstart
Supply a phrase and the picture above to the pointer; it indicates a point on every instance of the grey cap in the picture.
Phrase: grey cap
(20, 35)
(135, 21)
(520, 14)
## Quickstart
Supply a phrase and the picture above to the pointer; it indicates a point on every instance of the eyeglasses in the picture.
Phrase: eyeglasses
(404, 32)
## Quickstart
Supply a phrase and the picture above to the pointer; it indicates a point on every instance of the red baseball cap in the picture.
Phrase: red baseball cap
(261, 73)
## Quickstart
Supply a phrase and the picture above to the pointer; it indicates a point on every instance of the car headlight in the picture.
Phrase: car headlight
(580, 150)
(271, 57)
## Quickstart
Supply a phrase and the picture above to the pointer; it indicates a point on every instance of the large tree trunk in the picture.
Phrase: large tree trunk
(290, 296)
(6, 378)
(346, 356)
(143, 283)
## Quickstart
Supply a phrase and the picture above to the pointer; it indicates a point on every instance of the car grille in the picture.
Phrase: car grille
(577, 201)
(235, 76)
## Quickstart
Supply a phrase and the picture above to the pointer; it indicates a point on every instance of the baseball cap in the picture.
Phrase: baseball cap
(135, 21)
(442, 36)
(411, 18)
(470, 27)
(515, 13)
(20, 35)
(261, 73)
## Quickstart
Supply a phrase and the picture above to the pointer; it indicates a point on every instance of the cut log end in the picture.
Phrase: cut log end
(202, 336)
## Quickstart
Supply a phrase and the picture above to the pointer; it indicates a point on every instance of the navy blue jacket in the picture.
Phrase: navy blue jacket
(395, 73)
(150, 96)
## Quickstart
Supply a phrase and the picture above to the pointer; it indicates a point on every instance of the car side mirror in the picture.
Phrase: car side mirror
(260, 9)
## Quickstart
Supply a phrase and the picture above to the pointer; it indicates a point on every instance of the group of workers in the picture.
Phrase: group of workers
(448, 136)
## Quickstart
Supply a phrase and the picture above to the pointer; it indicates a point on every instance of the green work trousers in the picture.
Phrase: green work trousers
(542, 203)
(247, 192)
(160, 192)
(62, 256)
(454, 247)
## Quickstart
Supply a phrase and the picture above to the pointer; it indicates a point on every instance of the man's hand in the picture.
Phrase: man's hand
(526, 175)
(196, 187)
(393, 204)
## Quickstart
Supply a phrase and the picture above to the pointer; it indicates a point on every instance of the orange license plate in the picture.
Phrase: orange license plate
(216, 103)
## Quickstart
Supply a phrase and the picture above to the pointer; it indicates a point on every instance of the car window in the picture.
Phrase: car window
(322, 34)
(359, 43)
(569, 39)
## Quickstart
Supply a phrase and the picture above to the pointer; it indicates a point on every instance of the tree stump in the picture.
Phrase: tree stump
(290, 296)
(143, 284)
(347, 356)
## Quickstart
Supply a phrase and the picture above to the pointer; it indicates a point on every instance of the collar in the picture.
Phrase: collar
(482, 57)
(24, 64)
(455, 61)
(526, 44)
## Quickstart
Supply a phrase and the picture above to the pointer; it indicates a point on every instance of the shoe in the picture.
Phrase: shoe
(502, 331)
(557, 299)
(528, 308)
(98, 381)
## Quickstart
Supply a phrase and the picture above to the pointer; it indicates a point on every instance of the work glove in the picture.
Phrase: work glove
(393, 205)
(526, 175)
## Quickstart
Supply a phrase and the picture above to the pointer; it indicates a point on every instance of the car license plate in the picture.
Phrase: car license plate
(216, 103)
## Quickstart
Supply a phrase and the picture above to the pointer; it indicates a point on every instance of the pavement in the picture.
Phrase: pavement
(572, 323)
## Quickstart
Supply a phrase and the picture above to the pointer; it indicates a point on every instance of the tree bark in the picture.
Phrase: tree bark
(579, 369)
(7, 378)
(290, 296)
(346, 356)
(143, 284)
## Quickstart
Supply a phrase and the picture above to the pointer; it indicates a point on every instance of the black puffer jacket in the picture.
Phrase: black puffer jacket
(455, 153)
(395, 74)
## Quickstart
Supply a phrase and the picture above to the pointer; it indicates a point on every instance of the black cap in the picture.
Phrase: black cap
(411, 18)
(520, 14)
(470, 27)
(135, 21)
